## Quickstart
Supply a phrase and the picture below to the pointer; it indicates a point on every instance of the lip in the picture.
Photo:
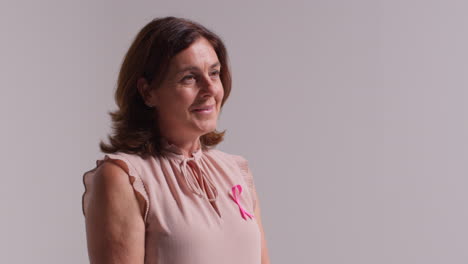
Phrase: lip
(206, 107)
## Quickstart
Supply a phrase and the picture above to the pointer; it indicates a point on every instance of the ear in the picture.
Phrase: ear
(144, 90)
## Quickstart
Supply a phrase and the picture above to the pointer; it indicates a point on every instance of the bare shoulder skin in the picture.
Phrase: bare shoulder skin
(115, 229)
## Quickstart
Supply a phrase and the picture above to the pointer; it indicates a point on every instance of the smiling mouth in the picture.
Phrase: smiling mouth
(204, 108)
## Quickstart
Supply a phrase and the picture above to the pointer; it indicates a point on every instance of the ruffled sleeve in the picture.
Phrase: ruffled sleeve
(248, 177)
(134, 176)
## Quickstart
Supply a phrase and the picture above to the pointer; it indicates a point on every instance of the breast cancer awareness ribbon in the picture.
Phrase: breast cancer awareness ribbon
(236, 200)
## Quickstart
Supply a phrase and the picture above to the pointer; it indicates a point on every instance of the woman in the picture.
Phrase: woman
(163, 193)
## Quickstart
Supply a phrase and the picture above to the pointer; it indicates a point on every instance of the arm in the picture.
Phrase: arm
(265, 257)
(115, 228)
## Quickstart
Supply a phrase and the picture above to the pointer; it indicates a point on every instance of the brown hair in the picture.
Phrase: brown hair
(135, 129)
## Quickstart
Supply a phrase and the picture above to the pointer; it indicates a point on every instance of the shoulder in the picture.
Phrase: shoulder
(237, 159)
(105, 184)
(115, 181)
(112, 174)
(223, 154)
(130, 163)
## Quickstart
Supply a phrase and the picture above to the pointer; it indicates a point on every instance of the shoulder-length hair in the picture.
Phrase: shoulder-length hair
(134, 125)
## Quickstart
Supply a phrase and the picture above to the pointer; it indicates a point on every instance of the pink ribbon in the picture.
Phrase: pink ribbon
(236, 200)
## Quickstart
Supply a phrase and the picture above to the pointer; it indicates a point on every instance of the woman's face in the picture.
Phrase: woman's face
(192, 82)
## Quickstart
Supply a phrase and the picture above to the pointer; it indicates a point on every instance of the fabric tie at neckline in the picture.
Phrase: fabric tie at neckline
(192, 183)
(236, 200)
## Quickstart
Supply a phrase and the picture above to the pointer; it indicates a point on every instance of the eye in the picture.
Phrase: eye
(188, 78)
(215, 73)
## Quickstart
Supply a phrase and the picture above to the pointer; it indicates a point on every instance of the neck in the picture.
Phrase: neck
(186, 145)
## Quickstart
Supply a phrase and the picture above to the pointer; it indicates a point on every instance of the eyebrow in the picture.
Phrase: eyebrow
(188, 68)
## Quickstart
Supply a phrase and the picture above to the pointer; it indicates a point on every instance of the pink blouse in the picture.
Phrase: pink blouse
(198, 210)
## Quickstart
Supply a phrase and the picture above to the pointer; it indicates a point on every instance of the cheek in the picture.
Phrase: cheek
(220, 93)
(183, 100)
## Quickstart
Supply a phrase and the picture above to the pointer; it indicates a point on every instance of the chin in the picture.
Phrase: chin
(207, 128)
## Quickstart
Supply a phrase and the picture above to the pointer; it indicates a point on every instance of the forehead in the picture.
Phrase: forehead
(201, 54)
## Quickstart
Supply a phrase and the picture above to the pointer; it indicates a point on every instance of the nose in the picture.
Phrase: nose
(208, 85)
